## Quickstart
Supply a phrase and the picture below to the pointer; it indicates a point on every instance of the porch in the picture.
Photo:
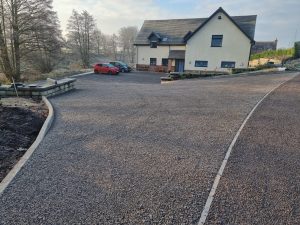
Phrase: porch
(176, 61)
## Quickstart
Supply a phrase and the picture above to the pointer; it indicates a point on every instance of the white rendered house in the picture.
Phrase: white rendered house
(220, 42)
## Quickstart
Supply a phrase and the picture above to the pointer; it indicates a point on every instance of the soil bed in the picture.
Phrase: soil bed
(20, 122)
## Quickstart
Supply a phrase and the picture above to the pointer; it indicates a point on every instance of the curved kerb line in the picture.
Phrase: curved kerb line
(210, 198)
(47, 124)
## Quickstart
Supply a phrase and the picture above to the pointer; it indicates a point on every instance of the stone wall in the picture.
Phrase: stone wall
(47, 90)
(143, 67)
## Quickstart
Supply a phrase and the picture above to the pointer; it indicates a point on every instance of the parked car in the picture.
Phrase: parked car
(106, 68)
(123, 67)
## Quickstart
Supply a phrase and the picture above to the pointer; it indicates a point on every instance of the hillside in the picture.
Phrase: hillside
(279, 54)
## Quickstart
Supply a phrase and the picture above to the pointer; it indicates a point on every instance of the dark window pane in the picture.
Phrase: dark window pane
(226, 64)
(199, 63)
(152, 61)
(153, 44)
(164, 62)
(216, 41)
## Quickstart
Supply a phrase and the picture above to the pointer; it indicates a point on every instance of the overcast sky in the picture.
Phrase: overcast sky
(276, 18)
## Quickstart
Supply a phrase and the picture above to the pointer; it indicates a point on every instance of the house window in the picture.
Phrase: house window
(153, 44)
(199, 63)
(227, 64)
(152, 61)
(216, 41)
(164, 62)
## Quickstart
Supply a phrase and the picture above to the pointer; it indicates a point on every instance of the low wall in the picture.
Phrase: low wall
(143, 67)
(206, 72)
(47, 90)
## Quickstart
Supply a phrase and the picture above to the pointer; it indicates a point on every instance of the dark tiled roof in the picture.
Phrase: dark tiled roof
(177, 54)
(176, 29)
(261, 46)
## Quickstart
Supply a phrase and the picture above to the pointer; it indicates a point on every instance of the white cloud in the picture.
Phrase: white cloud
(110, 14)
(276, 19)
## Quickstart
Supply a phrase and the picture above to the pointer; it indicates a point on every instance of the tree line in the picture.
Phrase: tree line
(31, 37)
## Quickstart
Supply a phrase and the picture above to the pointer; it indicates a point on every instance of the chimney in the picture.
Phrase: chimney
(276, 41)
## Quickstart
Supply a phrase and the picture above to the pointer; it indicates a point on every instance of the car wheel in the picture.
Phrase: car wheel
(109, 72)
(95, 71)
(123, 70)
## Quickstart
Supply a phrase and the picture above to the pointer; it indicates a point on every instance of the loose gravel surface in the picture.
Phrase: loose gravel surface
(128, 150)
(261, 183)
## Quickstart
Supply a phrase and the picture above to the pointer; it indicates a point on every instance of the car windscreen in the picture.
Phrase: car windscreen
(123, 64)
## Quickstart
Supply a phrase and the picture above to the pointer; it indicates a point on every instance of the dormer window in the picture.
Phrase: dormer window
(153, 44)
(154, 38)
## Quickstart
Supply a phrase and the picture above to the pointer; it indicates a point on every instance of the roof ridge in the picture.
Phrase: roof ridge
(177, 19)
(196, 18)
(265, 41)
(177, 29)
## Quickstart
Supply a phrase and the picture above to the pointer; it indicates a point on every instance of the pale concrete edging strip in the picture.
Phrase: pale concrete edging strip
(82, 74)
(213, 190)
(47, 124)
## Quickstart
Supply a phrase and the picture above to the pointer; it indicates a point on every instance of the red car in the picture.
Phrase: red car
(106, 68)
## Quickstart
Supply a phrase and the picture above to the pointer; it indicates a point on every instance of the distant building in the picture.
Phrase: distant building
(262, 46)
(220, 42)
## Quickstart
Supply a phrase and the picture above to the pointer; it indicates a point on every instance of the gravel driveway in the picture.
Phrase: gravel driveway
(261, 183)
(128, 150)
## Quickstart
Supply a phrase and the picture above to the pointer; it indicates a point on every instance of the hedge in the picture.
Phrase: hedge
(297, 50)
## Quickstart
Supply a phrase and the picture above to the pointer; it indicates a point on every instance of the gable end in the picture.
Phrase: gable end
(212, 16)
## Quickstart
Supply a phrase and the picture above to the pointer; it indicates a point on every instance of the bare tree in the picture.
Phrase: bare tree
(104, 42)
(126, 40)
(21, 21)
(97, 38)
(6, 65)
(113, 45)
(81, 27)
(48, 42)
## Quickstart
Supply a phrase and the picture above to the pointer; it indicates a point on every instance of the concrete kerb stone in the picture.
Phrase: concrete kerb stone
(246, 74)
(219, 175)
(82, 74)
(45, 128)
(254, 73)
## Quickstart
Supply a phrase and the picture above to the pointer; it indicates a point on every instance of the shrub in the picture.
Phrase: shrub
(239, 70)
(297, 50)
(278, 54)
(259, 67)
(3, 79)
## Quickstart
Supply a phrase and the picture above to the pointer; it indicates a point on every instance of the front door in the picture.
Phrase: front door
(179, 65)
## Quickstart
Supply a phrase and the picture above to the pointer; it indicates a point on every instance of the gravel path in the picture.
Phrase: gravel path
(261, 183)
(128, 150)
